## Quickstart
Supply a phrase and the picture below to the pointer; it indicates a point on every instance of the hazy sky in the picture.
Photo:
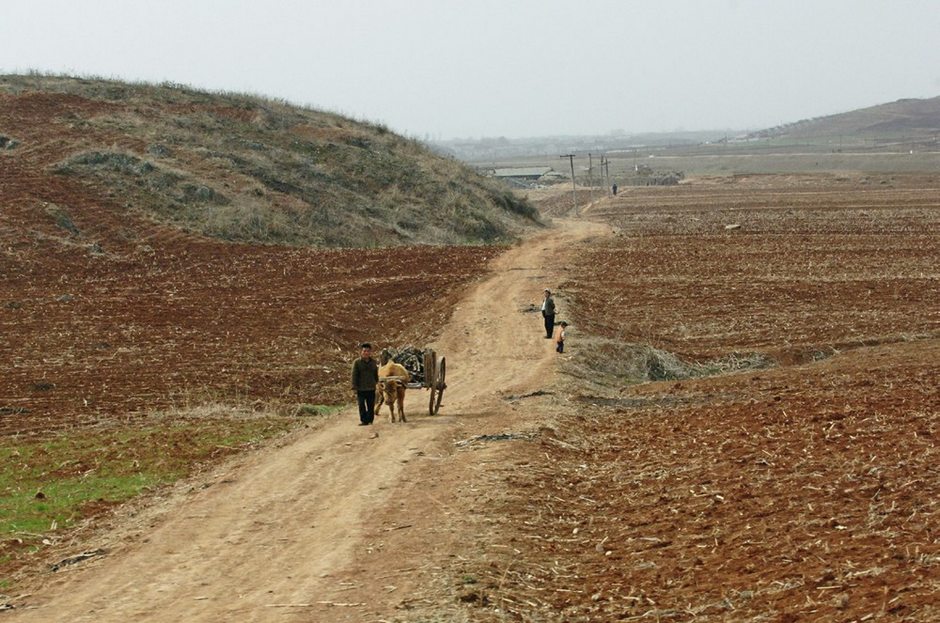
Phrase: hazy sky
(503, 67)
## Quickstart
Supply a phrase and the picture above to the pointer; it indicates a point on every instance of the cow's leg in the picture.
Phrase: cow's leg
(379, 398)
(401, 405)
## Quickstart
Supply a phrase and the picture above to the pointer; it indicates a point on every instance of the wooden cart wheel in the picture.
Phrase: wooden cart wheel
(441, 385)
(430, 374)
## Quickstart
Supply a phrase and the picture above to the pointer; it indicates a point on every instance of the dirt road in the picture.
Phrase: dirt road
(287, 533)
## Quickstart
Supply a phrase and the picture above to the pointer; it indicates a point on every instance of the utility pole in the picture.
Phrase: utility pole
(605, 166)
(574, 189)
(591, 176)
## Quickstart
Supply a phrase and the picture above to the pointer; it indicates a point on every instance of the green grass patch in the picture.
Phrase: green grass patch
(48, 485)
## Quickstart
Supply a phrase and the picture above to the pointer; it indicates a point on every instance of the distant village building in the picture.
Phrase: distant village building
(522, 173)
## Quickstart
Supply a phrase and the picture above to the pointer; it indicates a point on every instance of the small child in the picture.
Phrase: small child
(560, 337)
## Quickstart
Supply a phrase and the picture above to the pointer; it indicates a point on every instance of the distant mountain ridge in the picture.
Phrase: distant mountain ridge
(905, 118)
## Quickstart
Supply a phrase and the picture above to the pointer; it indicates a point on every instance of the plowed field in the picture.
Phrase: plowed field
(812, 264)
(804, 492)
(110, 338)
(106, 314)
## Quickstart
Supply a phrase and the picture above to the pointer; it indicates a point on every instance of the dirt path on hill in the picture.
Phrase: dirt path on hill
(333, 525)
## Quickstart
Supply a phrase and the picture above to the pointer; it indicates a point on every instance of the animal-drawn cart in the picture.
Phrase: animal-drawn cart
(427, 370)
(435, 374)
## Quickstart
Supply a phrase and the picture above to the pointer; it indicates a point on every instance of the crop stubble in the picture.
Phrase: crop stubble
(107, 315)
(803, 492)
(833, 264)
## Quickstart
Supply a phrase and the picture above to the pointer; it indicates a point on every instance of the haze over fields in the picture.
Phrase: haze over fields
(490, 68)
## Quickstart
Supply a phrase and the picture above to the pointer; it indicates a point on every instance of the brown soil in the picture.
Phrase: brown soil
(129, 315)
(838, 263)
(330, 525)
(801, 492)
(106, 338)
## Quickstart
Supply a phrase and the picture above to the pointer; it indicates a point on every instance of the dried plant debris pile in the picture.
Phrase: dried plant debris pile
(412, 359)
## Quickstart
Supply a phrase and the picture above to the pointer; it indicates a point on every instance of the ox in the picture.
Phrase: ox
(392, 379)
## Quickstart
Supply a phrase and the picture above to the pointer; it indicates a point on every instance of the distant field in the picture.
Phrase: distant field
(814, 262)
(719, 163)
(736, 160)
(806, 490)
(897, 137)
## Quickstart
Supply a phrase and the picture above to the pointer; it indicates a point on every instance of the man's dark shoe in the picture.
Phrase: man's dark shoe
(363, 423)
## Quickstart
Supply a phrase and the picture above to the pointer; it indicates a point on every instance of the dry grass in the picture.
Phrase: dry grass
(602, 365)
(245, 168)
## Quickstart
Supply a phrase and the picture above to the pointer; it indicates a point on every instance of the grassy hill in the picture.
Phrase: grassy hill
(912, 119)
(245, 168)
(146, 332)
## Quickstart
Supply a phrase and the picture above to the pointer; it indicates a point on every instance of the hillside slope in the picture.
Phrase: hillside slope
(910, 118)
(244, 168)
(134, 352)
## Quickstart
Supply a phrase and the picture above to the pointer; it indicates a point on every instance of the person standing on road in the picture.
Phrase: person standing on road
(365, 377)
(548, 313)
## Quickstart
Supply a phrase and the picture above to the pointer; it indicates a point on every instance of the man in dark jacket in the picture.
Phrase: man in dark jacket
(365, 376)
(548, 313)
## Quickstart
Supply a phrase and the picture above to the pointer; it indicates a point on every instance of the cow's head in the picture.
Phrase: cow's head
(390, 389)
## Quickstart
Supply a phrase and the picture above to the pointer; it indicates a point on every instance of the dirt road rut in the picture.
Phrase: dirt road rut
(269, 537)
